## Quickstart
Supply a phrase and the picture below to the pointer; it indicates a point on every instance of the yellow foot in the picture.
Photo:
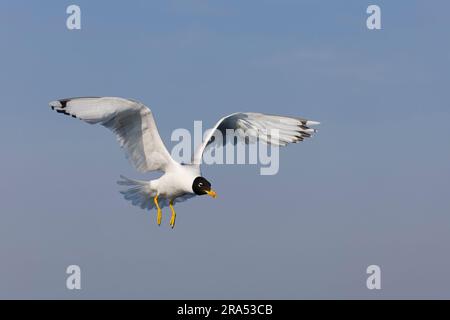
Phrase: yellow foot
(174, 215)
(158, 214)
(158, 217)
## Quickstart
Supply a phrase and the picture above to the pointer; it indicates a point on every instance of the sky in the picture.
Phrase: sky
(371, 188)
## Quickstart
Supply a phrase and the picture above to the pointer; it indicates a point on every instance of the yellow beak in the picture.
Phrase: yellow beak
(212, 193)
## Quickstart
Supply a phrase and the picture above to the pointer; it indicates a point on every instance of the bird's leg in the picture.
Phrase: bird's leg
(174, 215)
(158, 214)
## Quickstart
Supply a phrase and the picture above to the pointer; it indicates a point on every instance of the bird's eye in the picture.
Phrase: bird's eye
(200, 184)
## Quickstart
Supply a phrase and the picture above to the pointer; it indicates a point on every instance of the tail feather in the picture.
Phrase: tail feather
(140, 193)
(131, 182)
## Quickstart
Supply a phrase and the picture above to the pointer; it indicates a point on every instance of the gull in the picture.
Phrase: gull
(135, 128)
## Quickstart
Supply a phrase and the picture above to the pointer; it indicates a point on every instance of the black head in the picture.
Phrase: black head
(202, 186)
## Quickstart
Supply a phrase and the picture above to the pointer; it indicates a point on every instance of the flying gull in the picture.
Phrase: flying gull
(137, 134)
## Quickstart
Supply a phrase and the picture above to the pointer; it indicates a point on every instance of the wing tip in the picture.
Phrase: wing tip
(55, 104)
(60, 105)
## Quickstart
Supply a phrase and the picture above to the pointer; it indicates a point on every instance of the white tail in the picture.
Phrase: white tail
(140, 194)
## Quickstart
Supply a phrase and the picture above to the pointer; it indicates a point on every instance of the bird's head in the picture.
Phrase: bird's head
(201, 186)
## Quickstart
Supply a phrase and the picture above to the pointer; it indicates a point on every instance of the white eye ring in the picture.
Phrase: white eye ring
(200, 184)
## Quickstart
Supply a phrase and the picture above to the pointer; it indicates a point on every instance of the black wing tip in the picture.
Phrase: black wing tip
(60, 105)
(55, 104)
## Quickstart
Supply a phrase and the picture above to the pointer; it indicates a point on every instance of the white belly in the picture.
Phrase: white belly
(168, 187)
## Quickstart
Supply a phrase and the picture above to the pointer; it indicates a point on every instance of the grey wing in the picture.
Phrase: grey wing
(250, 126)
(131, 121)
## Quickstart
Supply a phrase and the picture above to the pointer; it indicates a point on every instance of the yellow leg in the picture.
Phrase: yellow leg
(174, 215)
(158, 215)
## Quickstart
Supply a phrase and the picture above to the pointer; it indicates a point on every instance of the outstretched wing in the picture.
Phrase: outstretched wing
(131, 121)
(250, 126)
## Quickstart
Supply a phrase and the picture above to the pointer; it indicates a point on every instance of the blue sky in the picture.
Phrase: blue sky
(370, 188)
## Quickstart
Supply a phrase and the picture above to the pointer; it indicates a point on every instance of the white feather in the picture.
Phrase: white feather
(131, 121)
(271, 129)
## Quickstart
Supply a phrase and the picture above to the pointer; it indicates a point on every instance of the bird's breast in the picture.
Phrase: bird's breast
(171, 186)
